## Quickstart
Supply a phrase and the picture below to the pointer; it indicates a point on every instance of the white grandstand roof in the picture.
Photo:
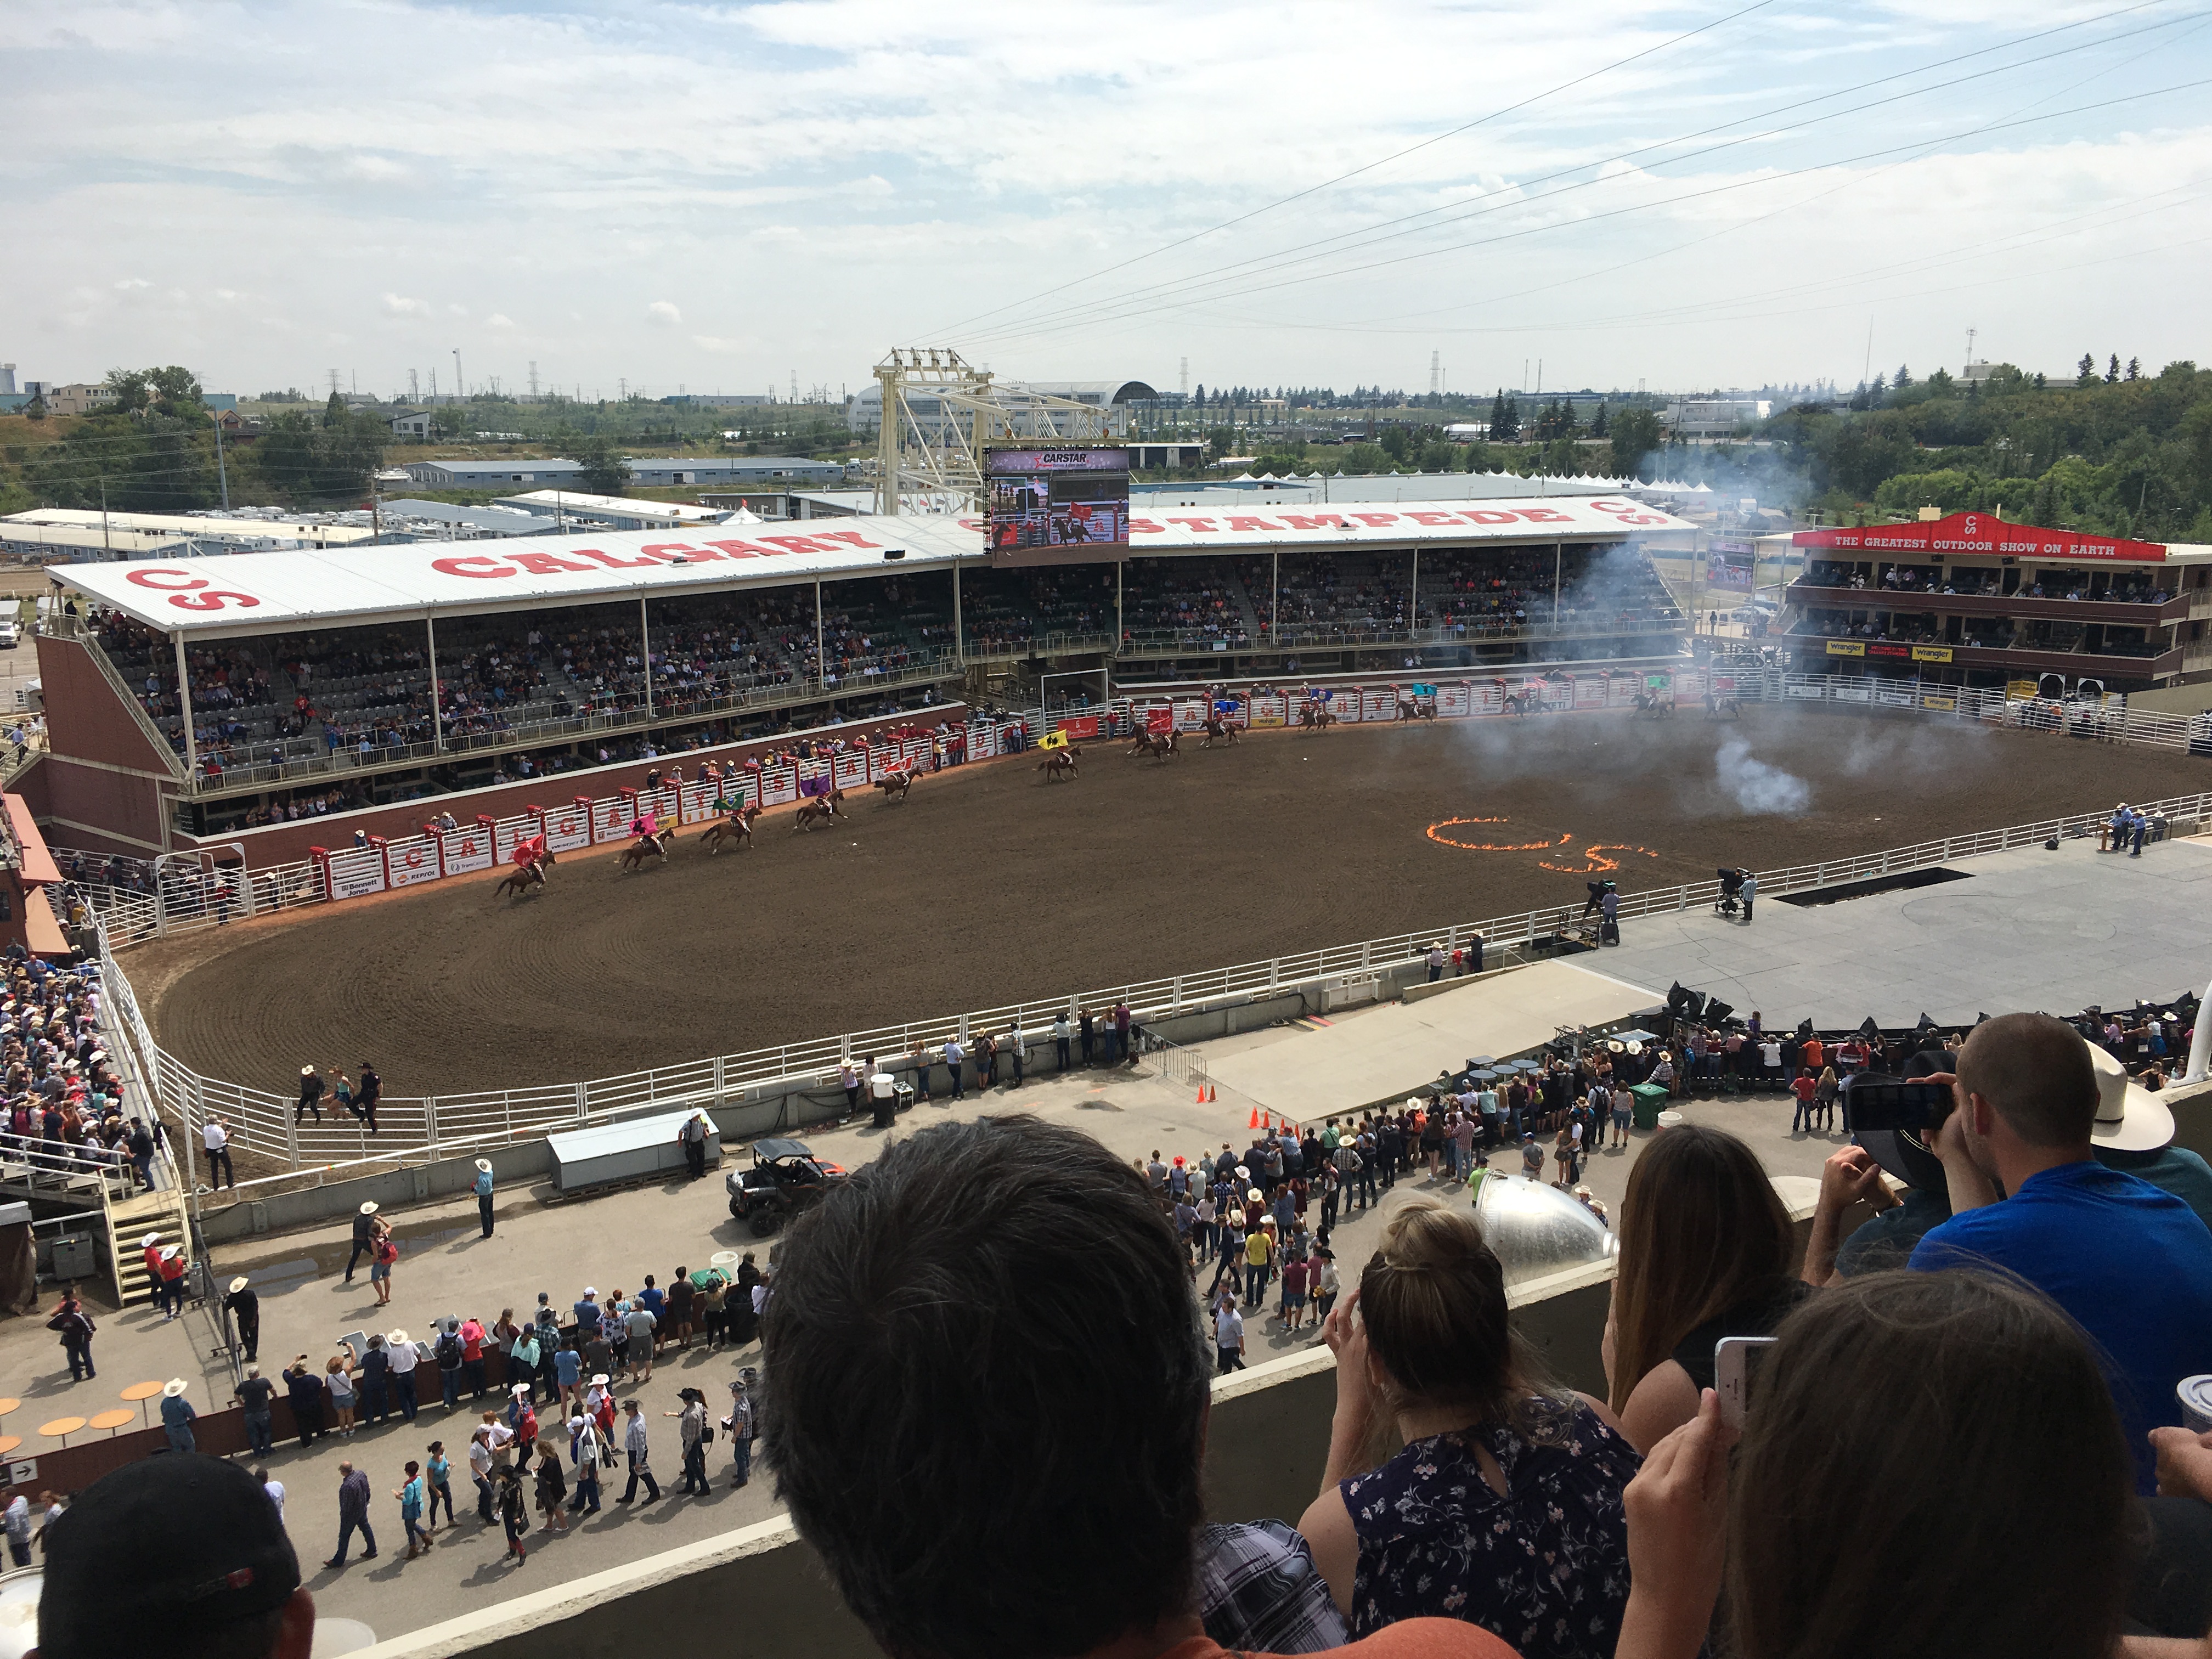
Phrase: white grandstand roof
(270, 592)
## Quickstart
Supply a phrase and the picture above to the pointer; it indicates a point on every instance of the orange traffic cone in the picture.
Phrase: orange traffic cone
(1212, 1095)
(1200, 1101)
(1254, 1123)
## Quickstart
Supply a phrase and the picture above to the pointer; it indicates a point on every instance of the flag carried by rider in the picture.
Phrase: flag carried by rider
(1053, 741)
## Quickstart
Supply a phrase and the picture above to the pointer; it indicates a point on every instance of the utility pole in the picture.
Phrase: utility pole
(460, 387)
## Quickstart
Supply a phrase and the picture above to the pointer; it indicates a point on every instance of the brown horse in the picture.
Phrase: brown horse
(1160, 745)
(1522, 705)
(1058, 763)
(1316, 718)
(895, 785)
(646, 846)
(1410, 709)
(738, 826)
(521, 879)
(1651, 703)
(1218, 727)
(1717, 705)
(821, 807)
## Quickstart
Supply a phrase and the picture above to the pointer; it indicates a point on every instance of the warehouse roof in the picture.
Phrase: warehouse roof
(266, 592)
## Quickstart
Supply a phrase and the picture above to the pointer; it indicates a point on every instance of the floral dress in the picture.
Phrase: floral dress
(1545, 1567)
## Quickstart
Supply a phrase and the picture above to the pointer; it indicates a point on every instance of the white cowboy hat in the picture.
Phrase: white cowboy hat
(1414, 1102)
(2130, 1118)
(519, 1388)
(306, 1070)
(368, 1207)
(173, 1387)
(396, 1337)
(484, 1163)
(168, 1252)
(600, 1381)
(238, 1284)
(1253, 1196)
(149, 1241)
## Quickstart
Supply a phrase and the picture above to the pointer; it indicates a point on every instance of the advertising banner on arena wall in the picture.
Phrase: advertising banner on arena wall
(1689, 685)
(918, 754)
(1620, 691)
(1377, 703)
(410, 862)
(1080, 727)
(663, 801)
(814, 779)
(466, 849)
(1270, 709)
(611, 819)
(696, 800)
(1553, 695)
(1190, 715)
(565, 828)
(850, 769)
(779, 785)
(1590, 691)
(1455, 700)
(1486, 697)
(982, 739)
(353, 873)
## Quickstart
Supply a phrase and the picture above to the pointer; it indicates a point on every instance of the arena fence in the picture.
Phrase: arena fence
(415, 1129)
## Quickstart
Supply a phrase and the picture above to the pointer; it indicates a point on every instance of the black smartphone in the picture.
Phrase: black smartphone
(1884, 1103)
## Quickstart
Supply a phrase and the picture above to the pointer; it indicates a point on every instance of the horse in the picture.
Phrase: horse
(895, 785)
(1218, 727)
(1716, 704)
(521, 879)
(1651, 703)
(1313, 719)
(1160, 745)
(636, 852)
(823, 807)
(738, 826)
(1060, 762)
(1409, 708)
(1522, 705)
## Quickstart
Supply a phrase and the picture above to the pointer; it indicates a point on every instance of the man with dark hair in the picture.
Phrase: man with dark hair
(2132, 1264)
(213, 1575)
(906, 1334)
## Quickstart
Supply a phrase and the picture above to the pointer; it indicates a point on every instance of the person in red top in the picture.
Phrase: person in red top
(906, 1334)
(1803, 1085)
(472, 1359)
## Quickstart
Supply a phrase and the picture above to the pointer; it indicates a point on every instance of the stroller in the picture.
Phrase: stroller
(1731, 886)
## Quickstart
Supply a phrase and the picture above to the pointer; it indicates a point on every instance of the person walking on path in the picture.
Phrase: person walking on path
(438, 1482)
(954, 1055)
(583, 1450)
(75, 1328)
(243, 1304)
(552, 1489)
(480, 1472)
(1229, 1336)
(693, 1137)
(17, 1519)
(411, 1509)
(311, 1095)
(383, 1253)
(482, 1187)
(353, 1511)
(367, 1092)
(691, 1429)
(633, 1444)
(214, 1135)
(514, 1512)
(740, 1424)
(1748, 892)
(177, 1415)
(364, 1237)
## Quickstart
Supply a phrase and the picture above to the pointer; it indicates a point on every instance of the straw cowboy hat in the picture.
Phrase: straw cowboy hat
(600, 1381)
(306, 1070)
(149, 1241)
(174, 1387)
(368, 1207)
(484, 1163)
(238, 1284)
(2130, 1118)
(395, 1338)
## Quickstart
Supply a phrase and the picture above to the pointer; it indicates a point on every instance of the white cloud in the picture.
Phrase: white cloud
(126, 284)
(663, 314)
(716, 346)
(496, 320)
(396, 304)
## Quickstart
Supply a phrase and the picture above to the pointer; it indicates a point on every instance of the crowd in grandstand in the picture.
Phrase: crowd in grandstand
(2098, 587)
(66, 1114)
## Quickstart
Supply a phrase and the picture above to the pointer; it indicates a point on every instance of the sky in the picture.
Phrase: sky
(707, 197)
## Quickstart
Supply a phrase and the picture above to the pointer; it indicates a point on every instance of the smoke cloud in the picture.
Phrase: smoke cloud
(1756, 786)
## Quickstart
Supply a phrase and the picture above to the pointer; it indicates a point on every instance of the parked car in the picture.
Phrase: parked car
(784, 1179)
(10, 636)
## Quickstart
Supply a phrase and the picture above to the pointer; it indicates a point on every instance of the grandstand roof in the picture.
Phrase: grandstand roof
(264, 593)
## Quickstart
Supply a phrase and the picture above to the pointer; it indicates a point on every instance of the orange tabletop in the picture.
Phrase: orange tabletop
(9, 1442)
(138, 1391)
(110, 1421)
(62, 1427)
(7, 1406)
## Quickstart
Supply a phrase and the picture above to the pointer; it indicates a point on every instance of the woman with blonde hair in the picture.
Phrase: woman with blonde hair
(1706, 1252)
(1824, 1098)
(337, 1377)
(1503, 1509)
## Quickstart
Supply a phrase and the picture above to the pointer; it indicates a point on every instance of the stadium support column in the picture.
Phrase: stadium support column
(1275, 600)
(645, 652)
(821, 663)
(1559, 561)
(437, 718)
(1414, 599)
(959, 647)
(185, 703)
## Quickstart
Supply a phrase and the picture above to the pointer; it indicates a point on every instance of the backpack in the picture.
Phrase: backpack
(448, 1351)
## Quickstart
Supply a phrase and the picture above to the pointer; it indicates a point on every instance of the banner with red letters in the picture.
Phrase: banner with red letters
(1455, 699)
(565, 828)
(1271, 709)
(353, 872)
(1621, 690)
(1377, 703)
(411, 861)
(779, 785)
(850, 769)
(466, 849)
(916, 752)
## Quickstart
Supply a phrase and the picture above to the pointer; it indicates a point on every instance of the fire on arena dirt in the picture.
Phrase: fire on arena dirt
(989, 886)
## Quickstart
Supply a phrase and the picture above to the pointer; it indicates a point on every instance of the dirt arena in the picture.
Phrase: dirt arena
(990, 883)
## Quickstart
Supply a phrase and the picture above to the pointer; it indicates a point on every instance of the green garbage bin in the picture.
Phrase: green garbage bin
(1651, 1100)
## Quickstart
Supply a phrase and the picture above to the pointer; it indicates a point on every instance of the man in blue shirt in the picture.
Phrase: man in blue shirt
(2131, 1264)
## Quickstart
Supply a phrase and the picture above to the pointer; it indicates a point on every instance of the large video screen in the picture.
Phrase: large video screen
(1056, 506)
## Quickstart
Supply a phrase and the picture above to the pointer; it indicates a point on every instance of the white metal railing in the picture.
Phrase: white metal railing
(415, 1128)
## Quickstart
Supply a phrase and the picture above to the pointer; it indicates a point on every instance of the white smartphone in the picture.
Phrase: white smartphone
(1737, 1362)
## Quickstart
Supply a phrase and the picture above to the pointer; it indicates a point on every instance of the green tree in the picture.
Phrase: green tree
(145, 463)
(605, 470)
(2085, 372)
(301, 463)
(1635, 433)
(335, 410)
(1597, 422)
(1903, 377)
(1396, 442)
(2112, 374)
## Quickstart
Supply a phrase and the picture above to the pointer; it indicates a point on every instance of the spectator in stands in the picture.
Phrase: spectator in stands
(2134, 1132)
(1706, 1252)
(1991, 1518)
(1505, 1508)
(2131, 1263)
(881, 1354)
(212, 1571)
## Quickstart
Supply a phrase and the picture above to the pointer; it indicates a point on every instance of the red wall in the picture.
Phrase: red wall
(287, 843)
(83, 717)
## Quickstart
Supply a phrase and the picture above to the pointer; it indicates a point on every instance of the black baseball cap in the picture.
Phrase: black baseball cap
(179, 1542)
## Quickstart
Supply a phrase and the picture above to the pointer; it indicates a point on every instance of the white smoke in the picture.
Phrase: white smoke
(1756, 786)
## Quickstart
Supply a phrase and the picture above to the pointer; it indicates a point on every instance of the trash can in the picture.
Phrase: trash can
(1651, 1100)
(902, 1096)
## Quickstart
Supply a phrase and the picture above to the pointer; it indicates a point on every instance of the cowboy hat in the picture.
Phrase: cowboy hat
(149, 1241)
(1252, 1195)
(368, 1207)
(2130, 1118)
(306, 1070)
(519, 1388)
(173, 1387)
(396, 1337)
(600, 1381)
(484, 1163)
(238, 1284)
(169, 1253)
